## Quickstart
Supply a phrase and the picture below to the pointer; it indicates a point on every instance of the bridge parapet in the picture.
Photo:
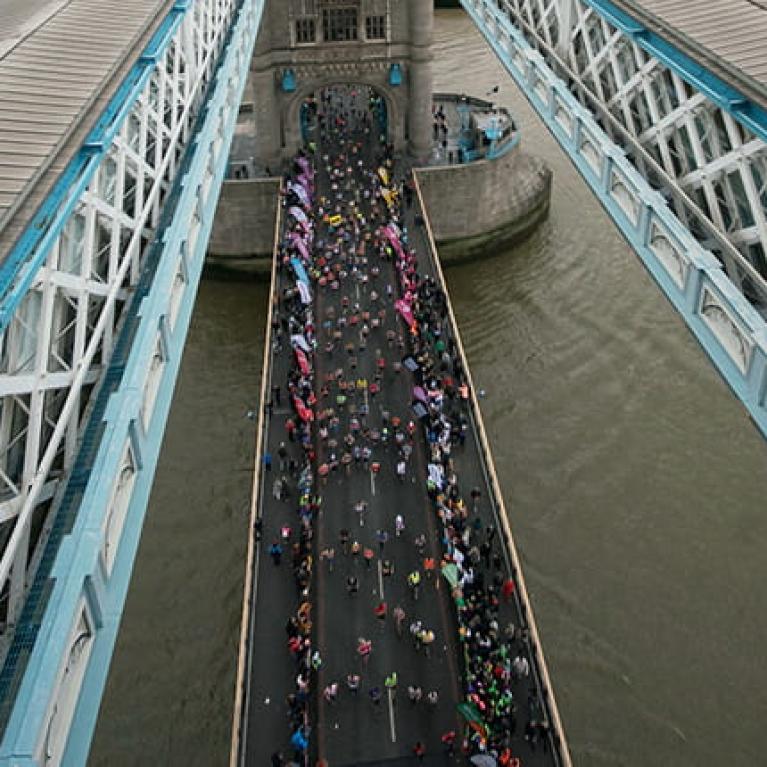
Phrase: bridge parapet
(722, 298)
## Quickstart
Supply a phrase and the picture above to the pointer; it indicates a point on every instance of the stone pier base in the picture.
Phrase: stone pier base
(479, 208)
(242, 239)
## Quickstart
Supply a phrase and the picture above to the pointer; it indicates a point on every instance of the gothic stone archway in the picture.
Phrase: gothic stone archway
(374, 76)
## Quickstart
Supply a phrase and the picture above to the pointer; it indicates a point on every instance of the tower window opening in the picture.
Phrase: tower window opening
(375, 27)
(306, 31)
(339, 25)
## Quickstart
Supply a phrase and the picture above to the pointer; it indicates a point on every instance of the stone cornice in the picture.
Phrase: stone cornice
(351, 68)
(303, 55)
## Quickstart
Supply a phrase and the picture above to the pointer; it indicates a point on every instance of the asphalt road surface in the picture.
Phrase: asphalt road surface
(353, 729)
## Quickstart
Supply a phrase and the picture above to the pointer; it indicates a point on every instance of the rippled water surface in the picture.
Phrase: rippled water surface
(171, 686)
(636, 483)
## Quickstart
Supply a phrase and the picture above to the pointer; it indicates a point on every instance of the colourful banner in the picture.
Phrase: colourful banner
(388, 196)
(300, 342)
(305, 183)
(407, 313)
(306, 166)
(304, 413)
(298, 268)
(297, 213)
(303, 362)
(300, 192)
(450, 572)
(304, 292)
(300, 246)
(393, 237)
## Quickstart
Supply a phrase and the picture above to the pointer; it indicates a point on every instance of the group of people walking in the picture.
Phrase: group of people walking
(358, 317)
(292, 317)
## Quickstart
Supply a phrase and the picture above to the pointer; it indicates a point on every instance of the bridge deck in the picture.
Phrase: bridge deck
(353, 729)
(59, 66)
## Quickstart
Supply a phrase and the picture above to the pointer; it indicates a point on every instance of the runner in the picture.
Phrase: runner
(413, 582)
(399, 618)
(364, 648)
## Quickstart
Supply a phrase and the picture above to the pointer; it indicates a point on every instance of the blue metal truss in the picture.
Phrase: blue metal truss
(18, 270)
(723, 95)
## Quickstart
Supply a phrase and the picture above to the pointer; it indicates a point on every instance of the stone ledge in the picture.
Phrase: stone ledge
(488, 243)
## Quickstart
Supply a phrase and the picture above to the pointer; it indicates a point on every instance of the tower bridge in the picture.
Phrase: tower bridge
(115, 129)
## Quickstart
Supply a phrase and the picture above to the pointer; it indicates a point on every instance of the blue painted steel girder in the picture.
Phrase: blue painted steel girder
(730, 330)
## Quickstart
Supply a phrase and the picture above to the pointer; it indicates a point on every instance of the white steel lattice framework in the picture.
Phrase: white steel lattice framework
(94, 309)
(710, 166)
(60, 331)
(718, 291)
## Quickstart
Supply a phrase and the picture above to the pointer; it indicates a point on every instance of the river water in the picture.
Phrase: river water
(635, 481)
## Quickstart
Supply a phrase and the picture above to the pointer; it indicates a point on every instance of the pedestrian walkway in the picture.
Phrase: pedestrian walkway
(377, 477)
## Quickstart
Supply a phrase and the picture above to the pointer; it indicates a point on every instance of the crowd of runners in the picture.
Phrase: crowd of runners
(358, 315)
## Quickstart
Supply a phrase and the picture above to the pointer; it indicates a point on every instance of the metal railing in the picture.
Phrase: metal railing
(739, 269)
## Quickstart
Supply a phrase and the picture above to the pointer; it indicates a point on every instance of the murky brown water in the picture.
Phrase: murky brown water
(170, 689)
(636, 486)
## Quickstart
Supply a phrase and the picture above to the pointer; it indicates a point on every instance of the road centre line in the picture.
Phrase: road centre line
(380, 580)
(392, 725)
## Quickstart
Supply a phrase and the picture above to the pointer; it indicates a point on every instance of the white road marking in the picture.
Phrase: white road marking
(392, 726)
(372, 482)
(380, 580)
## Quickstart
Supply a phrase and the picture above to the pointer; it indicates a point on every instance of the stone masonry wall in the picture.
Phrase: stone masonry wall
(485, 205)
(244, 223)
(474, 209)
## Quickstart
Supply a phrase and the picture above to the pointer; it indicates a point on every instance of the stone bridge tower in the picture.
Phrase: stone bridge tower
(307, 44)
